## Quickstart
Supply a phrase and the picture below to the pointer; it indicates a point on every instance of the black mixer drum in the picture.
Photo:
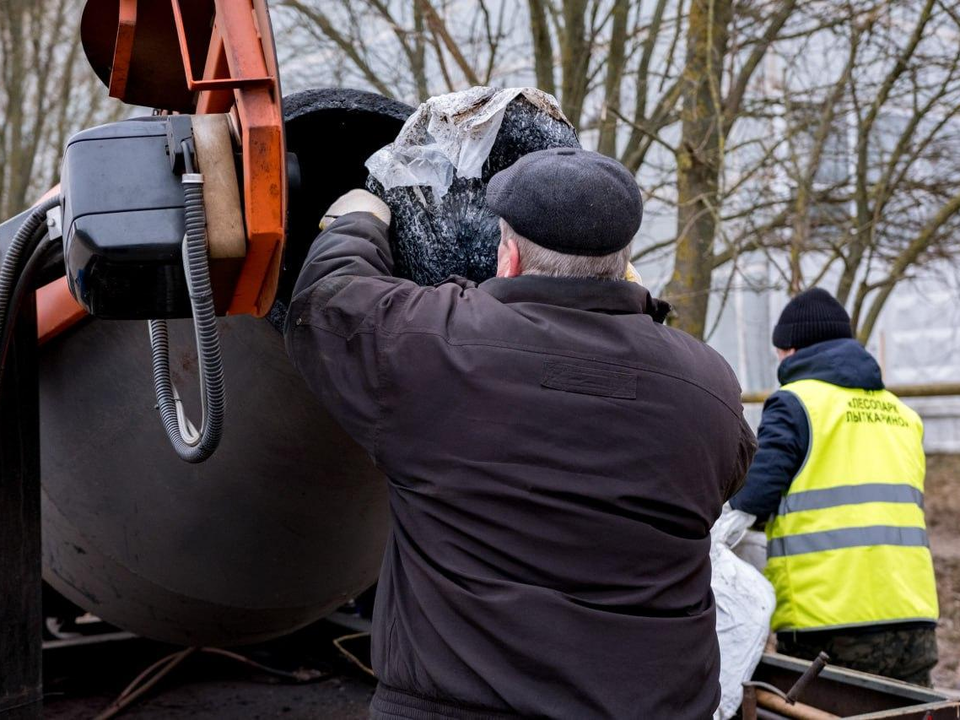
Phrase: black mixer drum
(287, 520)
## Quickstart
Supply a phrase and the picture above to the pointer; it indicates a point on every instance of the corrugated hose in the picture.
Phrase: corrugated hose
(19, 265)
(191, 444)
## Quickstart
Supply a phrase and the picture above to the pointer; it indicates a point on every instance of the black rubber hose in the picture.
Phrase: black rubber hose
(190, 444)
(22, 246)
(25, 283)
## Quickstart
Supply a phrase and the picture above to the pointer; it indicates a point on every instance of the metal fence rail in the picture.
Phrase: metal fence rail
(903, 391)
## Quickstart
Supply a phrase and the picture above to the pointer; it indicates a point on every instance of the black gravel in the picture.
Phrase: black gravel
(458, 235)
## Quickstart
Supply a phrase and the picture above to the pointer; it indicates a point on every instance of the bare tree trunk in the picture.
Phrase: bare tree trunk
(616, 60)
(698, 163)
(574, 59)
(542, 47)
(419, 57)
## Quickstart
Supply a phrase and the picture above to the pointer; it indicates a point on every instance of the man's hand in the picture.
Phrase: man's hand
(356, 201)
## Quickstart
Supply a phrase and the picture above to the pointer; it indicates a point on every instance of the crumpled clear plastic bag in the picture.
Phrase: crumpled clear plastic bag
(745, 603)
(449, 135)
(731, 526)
(434, 176)
(752, 549)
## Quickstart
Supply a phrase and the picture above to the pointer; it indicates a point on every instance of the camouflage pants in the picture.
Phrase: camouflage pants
(907, 654)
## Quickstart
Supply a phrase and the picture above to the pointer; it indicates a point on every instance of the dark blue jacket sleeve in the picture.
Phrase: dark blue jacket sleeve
(784, 437)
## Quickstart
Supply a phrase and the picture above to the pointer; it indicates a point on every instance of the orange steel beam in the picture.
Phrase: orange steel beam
(123, 50)
(56, 310)
(215, 83)
(215, 101)
(239, 58)
(264, 155)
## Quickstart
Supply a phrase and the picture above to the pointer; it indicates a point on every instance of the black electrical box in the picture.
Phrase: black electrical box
(123, 222)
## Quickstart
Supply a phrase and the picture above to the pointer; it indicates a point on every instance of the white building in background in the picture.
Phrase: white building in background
(916, 340)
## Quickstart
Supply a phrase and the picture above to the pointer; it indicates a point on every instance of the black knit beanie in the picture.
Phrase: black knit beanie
(811, 317)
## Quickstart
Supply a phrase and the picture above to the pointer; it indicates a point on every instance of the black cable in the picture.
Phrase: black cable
(187, 147)
(25, 284)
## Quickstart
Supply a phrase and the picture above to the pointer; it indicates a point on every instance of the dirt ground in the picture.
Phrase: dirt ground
(80, 682)
(943, 511)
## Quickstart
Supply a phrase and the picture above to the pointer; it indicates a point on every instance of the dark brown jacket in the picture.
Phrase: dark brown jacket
(556, 458)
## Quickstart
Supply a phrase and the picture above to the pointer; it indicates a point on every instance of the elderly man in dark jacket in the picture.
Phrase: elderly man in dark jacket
(555, 455)
(839, 477)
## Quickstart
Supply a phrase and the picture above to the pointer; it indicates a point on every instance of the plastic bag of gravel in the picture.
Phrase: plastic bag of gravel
(434, 176)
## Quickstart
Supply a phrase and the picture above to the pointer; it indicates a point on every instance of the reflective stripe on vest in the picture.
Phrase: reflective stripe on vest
(848, 545)
(847, 538)
(849, 495)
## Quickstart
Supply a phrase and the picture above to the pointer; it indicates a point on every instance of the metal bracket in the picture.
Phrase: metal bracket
(179, 132)
(55, 223)
(212, 84)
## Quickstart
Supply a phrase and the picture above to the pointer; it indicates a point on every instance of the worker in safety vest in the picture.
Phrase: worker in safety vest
(839, 474)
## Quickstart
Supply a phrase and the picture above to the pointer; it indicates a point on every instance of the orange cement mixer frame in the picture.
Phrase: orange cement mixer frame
(240, 77)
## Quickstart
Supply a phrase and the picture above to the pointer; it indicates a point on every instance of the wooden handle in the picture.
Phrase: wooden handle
(771, 701)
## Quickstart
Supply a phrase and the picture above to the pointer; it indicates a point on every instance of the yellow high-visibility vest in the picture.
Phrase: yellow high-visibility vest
(848, 544)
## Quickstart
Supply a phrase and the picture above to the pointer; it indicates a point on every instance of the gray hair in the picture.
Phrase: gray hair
(537, 260)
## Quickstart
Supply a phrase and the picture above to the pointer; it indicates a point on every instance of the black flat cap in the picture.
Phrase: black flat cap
(573, 201)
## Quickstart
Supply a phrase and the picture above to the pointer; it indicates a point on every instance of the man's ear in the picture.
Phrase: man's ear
(508, 258)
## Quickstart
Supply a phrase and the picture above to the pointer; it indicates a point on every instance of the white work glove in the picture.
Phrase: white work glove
(731, 526)
(356, 201)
